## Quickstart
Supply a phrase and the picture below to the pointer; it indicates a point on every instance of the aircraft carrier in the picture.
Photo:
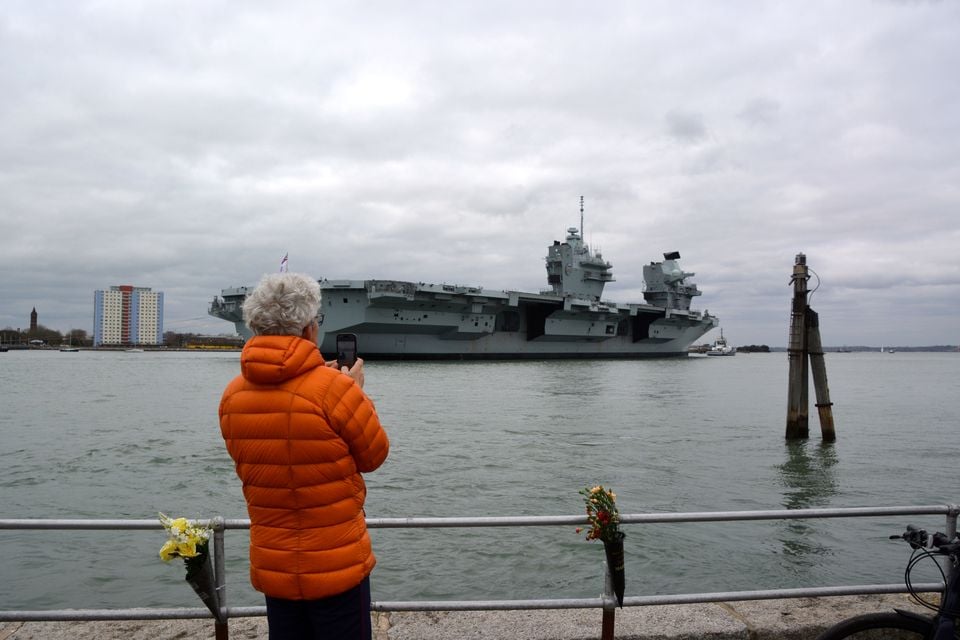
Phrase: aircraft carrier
(417, 321)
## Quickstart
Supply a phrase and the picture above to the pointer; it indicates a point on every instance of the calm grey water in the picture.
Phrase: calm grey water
(124, 435)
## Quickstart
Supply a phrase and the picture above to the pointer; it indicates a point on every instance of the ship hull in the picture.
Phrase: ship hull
(412, 347)
(409, 321)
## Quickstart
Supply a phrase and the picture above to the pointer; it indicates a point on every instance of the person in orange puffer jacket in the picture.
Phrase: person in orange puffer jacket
(300, 433)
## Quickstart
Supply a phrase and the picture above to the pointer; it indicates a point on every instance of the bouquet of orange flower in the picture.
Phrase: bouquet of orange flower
(602, 513)
(604, 519)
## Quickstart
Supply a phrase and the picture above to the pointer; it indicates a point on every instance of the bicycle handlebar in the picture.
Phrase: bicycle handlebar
(920, 539)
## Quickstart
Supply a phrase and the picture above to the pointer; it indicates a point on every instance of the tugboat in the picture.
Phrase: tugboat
(721, 348)
(414, 320)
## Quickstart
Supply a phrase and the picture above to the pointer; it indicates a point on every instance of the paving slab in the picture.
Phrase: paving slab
(569, 624)
(677, 622)
(804, 618)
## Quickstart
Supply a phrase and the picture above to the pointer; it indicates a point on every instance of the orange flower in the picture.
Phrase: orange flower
(602, 514)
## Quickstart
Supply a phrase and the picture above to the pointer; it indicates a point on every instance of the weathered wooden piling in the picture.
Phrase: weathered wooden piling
(805, 353)
(819, 369)
(797, 419)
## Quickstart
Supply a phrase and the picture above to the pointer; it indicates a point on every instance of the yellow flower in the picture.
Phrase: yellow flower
(168, 551)
(183, 539)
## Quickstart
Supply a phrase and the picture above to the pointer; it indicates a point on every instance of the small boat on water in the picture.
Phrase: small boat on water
(721, 348)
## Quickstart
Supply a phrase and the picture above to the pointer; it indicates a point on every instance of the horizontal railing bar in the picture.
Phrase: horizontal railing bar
(478, 605)
(489, 605)
(640, 601)
(73, 524)
(142, 613)
(780, 594)
(653, 518)
(518, 521)
(786, 514)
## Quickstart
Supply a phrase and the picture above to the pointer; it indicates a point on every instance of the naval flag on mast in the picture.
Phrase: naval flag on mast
(283, 263)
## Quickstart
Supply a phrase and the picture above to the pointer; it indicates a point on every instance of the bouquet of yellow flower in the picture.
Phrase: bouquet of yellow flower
(185, 540)
(192, 543)
(602, 513)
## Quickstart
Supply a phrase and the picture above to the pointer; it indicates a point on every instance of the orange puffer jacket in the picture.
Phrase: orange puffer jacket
(300, 434)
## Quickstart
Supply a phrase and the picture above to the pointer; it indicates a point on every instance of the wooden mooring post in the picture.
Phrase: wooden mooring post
(608, 624)
(805, 354)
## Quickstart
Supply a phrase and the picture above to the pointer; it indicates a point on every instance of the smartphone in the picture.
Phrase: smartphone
(346, 349)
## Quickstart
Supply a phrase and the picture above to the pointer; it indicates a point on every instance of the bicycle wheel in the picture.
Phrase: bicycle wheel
(880, 626)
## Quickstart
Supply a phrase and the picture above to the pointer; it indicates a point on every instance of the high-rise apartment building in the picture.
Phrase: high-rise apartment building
(126, 315)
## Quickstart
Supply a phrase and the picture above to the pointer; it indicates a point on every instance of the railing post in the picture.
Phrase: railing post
(609, 605)
(221, 629)
(952, 514)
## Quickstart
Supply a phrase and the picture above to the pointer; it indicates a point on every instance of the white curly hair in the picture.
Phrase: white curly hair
(282, 304)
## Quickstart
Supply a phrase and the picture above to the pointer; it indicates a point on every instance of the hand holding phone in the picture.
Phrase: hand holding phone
(346, 350)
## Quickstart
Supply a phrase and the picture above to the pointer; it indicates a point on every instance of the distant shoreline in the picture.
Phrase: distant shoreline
(148, 348)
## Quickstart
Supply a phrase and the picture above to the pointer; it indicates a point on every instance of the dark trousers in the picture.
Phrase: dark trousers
(345, 616)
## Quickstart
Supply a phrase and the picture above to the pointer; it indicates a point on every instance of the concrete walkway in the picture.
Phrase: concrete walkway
(796, 619)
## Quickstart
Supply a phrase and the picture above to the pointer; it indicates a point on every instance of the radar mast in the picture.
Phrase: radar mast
(581, 217)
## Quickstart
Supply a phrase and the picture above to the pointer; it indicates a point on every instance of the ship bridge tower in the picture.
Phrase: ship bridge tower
(573, 270)
(667, 285)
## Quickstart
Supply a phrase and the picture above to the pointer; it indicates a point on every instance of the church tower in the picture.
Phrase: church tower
(33, 319)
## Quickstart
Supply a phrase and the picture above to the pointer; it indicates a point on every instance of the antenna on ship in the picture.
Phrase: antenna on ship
(581, 217)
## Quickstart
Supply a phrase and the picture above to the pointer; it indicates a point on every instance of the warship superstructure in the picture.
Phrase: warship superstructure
(413, 320)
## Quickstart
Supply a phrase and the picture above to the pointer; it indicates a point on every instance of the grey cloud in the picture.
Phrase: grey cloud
(760, 111)
(686, 126)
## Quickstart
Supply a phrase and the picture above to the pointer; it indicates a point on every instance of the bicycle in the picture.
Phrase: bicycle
(908, 624)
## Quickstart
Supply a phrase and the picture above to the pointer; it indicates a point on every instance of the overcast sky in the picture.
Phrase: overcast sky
(187, 146)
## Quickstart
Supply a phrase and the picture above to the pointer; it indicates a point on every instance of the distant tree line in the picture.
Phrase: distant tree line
(176, 340)
(45, 336)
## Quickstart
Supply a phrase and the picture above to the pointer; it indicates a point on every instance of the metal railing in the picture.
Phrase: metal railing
(606, 601)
